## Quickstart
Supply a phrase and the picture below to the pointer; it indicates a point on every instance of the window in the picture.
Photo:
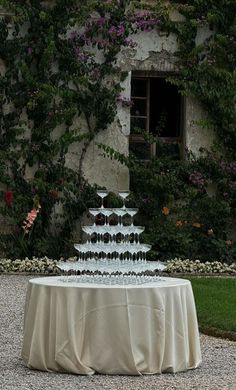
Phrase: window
(156, 109)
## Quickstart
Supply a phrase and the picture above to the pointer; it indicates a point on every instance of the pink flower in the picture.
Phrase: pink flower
(229, 242)
(29, 221)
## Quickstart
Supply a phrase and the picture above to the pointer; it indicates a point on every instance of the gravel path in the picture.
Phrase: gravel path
(218, 370)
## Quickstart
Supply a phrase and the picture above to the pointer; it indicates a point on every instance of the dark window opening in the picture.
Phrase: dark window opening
(164, 108)
(156, 109)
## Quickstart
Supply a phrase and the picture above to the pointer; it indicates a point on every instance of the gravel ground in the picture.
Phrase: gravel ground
(218, 370)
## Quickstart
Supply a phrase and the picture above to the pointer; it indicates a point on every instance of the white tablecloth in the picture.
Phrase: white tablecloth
(83, 329)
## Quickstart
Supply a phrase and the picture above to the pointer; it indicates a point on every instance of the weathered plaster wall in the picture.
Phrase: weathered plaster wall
(156, 53)
(97, 168)
(153, 52)
(104, 171)
(196, 136)
(110, 173)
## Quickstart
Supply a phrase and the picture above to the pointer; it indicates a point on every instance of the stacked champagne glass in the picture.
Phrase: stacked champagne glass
(112, 253)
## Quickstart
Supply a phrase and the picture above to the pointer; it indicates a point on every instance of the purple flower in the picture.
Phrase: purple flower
(117, 31)
(232, 167)
(130, 43)
(144, 20)
(73, 35)
(197, 179)
(112, 30)
(120, 30)
(81, 56)
(146, 25)
(29, 50)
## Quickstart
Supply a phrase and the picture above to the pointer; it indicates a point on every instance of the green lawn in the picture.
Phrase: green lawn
(215, 300)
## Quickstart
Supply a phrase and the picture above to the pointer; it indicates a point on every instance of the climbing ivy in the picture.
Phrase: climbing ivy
(58, 64)
(51, 76)
(208, 68)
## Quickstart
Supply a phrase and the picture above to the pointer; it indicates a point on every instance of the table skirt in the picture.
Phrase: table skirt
(83, 329)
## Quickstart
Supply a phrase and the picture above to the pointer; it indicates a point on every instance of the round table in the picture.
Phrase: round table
(88, 328)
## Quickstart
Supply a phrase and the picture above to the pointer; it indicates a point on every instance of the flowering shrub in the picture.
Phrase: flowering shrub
(46, 265)
(188, 266)
(181, 218)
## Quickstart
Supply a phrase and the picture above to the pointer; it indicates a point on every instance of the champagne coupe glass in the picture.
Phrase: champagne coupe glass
(94, 213)
(78, 247)
(102, 194)
(123, 195)
(107, 213)
(121, 214)
(87, 230)
(132, 212)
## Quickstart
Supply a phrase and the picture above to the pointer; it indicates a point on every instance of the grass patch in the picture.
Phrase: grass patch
(215, 300)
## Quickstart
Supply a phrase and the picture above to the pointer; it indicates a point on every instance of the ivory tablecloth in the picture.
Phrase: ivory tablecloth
(83, 329)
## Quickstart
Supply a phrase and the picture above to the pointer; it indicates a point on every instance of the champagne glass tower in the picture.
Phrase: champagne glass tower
(113, 254)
